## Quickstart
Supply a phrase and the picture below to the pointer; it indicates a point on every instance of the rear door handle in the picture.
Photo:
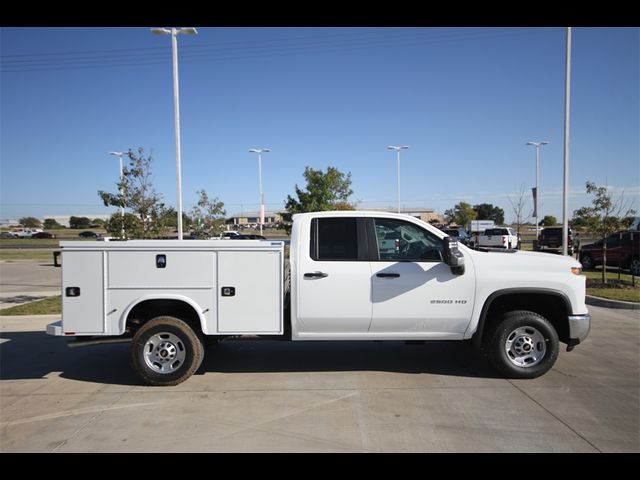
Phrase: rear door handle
(316, 275)
(387, 275)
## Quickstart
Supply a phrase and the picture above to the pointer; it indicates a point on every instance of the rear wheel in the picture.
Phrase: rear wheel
(166, 351)
(523, 345)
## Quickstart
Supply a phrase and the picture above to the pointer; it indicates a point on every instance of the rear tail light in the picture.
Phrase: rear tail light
(397, 244)
(504, 240)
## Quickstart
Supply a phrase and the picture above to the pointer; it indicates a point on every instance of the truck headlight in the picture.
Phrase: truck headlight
(576, 270)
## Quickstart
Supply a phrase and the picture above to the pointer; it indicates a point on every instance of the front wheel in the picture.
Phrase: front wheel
(635, 267)
(587, 261)
(523, 345)
(165, 351)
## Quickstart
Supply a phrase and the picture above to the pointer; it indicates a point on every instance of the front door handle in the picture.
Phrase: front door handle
(388, 275)
(316, 275)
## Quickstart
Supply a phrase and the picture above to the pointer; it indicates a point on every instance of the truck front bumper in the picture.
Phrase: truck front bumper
(579, 326)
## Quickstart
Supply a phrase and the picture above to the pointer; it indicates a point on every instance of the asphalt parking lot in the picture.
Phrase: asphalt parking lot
(264, 396)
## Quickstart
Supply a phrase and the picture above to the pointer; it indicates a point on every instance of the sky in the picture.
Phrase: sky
(465, 101)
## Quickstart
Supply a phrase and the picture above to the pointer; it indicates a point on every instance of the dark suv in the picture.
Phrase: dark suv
(550, 238)
(623, 250)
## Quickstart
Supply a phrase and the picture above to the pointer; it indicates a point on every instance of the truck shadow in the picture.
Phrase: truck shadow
(35, 355)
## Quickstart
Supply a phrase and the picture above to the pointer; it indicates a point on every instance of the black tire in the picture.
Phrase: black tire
(526, 332)
(587, 262)
(178, 342)
(634, 267)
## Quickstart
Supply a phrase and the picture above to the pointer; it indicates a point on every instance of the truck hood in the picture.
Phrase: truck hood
(523, 261)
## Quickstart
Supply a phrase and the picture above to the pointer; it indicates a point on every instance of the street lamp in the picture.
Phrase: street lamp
(174, 32)
(259, 151)
(120, 155)
(535, 198)
(397, 148)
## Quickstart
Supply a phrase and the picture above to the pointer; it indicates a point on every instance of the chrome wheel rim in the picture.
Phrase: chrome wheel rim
(164, 353)
(586, 262)
(525, 347)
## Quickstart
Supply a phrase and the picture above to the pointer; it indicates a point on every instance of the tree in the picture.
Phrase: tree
(79, 222)
(486, 211)
(30, 222)
(461, 214)
(50, 223)
(604, 217)
(325, 191)
(97, 222)
(170, 218)
(208, 215)
(518, 206)
(115, 224)
(549, 221)
(137, 193)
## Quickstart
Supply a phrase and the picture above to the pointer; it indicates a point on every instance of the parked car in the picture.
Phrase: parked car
(550, 238)
(623, 250)
(43, 235)
(253, 236)
(499, 237)
(458, 234)
(7, 235)
(89, 234)
(25, 232)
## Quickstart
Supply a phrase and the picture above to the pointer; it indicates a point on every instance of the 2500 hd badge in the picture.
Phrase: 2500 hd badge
(448, 302)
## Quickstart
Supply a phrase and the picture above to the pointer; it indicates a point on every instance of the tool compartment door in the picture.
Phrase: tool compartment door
(82, 292)
(249, 292)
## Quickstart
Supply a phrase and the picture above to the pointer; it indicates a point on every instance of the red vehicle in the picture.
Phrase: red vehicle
(43, 235)
(623, 250)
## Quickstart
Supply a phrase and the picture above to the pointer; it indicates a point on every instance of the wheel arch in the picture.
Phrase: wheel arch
(552, 304)
(149, 306)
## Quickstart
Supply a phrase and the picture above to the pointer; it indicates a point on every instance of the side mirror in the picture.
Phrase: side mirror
(452, 256)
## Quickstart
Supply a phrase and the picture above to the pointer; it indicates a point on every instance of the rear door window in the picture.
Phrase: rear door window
(334, 239)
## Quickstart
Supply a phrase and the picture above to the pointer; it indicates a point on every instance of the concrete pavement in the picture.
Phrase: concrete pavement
(25, 281)
(265, 396)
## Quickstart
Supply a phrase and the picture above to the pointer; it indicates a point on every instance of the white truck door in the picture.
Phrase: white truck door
(413, 290)
(334, 279)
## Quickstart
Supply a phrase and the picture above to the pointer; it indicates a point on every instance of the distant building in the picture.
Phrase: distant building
(249, 218)
(9, 222)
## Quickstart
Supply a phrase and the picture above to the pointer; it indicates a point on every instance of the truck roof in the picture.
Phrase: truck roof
(370, 213)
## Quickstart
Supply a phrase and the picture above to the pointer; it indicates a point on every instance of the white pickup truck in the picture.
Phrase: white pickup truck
(498, 237)
(351, 276)
(25, 232)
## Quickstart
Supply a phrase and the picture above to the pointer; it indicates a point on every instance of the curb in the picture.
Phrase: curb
(605, 302)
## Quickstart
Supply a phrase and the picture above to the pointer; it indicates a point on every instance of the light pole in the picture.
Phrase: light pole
(259, 151)
(535, 199)
(397, 148)
(120, 155)
(174, 32)
(565, 157)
